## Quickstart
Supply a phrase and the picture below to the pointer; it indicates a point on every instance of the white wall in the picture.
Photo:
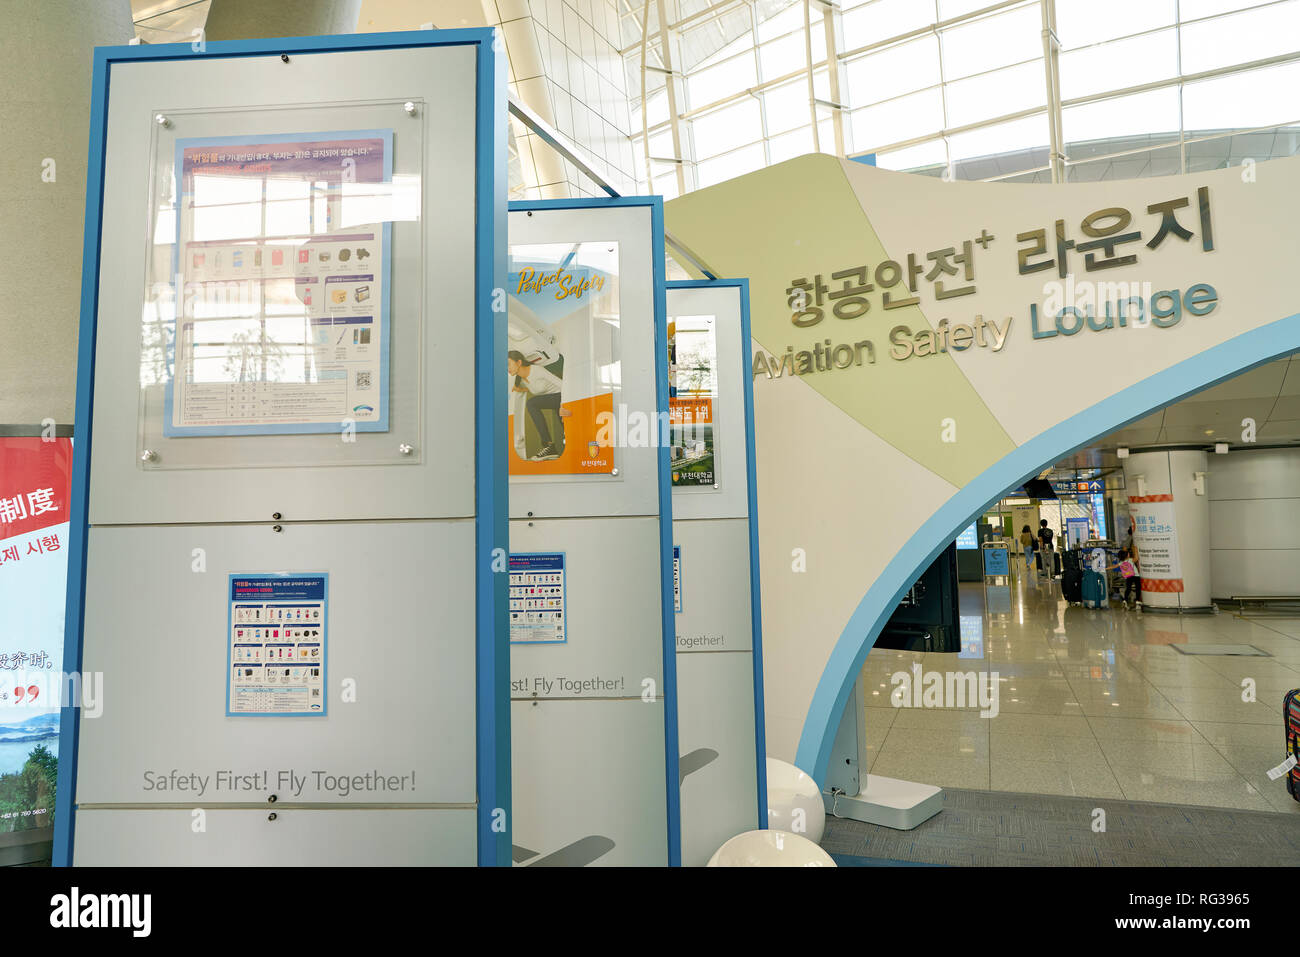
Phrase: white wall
(1254, 522)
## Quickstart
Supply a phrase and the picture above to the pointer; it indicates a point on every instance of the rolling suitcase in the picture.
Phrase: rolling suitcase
(1094, 589)
(1072, 585)
(1291, 720)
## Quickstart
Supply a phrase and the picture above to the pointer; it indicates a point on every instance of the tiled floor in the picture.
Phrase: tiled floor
(1097, 703)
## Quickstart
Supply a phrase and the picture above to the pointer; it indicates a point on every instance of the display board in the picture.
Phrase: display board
(285, 240)
(715, 535)
(592, 667)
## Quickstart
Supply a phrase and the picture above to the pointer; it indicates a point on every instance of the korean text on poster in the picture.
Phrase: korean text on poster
(282, 262)
(537, 598)
(277, 644)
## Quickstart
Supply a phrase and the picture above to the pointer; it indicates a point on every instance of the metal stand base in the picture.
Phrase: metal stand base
(1194, 610)
(888, 802)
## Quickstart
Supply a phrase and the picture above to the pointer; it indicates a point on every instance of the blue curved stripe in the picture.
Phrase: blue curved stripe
(1233, 357)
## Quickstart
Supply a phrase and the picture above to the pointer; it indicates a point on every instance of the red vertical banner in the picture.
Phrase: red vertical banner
(35, 489)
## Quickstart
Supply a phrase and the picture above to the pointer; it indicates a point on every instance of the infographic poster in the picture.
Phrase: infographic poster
(692, 393)
(282, 267)
(35, 483)
(562, 358)
(275, 664)
(537, 598)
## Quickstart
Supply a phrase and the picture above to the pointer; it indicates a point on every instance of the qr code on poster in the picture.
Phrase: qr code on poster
(363, 379)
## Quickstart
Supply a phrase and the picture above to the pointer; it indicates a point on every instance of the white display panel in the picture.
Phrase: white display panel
(589, 783)
(715, 715)
(423, 460)
(716, 614)
(713, 535)
(634, 488)
(401, 664)
(613, 610)
(245, 837)
(595, 761)
(717, 309)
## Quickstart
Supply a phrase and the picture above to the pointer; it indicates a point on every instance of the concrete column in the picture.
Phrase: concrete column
(1170, 510)
(254, 19)
(45, 116)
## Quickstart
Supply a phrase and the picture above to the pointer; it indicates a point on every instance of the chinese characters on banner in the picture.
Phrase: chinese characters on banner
(35, 485)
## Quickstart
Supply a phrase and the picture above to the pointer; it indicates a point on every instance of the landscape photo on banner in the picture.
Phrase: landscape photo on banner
(35, 485)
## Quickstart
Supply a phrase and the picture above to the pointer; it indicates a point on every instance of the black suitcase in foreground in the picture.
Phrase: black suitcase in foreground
(1072, 586)
(1291, 722)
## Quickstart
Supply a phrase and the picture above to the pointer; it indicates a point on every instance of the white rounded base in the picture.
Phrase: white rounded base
(794, 802)
(770, 849)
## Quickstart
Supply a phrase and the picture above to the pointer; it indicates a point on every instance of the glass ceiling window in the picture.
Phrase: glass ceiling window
(962, 88)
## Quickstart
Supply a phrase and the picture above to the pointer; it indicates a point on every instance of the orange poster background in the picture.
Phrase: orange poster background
(581, 425)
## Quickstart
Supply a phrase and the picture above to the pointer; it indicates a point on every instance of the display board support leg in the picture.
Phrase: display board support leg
(851, 793)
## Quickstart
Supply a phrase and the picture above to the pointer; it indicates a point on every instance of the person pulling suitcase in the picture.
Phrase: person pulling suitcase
(1128, 570)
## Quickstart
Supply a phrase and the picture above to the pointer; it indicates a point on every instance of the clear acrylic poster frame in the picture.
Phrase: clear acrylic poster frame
(265, 229)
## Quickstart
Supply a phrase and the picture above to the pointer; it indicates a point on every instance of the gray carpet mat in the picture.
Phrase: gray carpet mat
(1002, 829)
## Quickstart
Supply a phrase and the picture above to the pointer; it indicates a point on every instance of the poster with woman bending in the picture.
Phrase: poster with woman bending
(562, 357)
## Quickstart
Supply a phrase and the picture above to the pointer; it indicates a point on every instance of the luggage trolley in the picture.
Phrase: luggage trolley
(1099, 578)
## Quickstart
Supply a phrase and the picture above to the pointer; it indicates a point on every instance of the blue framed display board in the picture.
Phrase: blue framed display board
(717, 521)
(596, 765)
(461, 814)
(996, 559)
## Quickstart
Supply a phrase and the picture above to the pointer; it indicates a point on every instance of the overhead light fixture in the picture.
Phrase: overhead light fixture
(1220, 448)
(1209, 431)
(1121, 452)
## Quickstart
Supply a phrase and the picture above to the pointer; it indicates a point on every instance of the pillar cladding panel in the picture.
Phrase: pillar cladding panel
(1188, 470)
(1165, 500)
(44, 115)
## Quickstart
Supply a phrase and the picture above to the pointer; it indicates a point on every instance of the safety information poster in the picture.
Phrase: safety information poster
(537, 597)
(282, 266)
(276, 660)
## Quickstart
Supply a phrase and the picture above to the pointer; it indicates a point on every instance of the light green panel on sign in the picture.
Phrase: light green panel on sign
(800, 219)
